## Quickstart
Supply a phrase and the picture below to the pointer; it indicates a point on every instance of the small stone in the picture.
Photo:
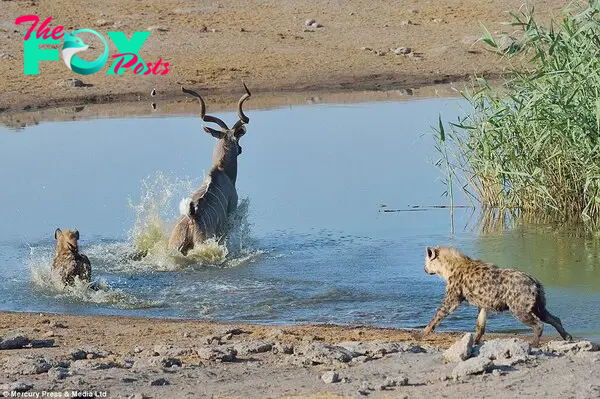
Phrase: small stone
(87, 353)
(460, 350)
(330, 377)
(475, 365)
(138, 349)
(58, 373)
(316, 25)
(406, 22)
(506, 352)
(415, 11)
(281, 348)
(402, 50)
(158, 29)
(27, 365)
(155, 362)
(102, 22)
(309, 22)
(187, 334)
(496, 373)
(227, 354)
(71, 82)
(93, 364)
(16, 387)
(564, 347)
(4, 56)
(41, 343)
(160, 382)
(402, 380)
(231, 330)
(366, 48)
(14, 342)
(48, 334)
(58, 324)
(321, 353)
(214, 30)
(258, 346)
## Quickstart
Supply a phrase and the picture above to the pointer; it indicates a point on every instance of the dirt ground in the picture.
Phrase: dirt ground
(148, 358)
(212, 46)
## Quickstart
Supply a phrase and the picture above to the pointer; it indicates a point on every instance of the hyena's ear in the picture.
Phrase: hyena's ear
(192, 210)
(76, 234)
(431, 253)
(57, 232)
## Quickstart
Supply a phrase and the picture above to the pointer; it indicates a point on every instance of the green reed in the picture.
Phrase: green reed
(533, 141)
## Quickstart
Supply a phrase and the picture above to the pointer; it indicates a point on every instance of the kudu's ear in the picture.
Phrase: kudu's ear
(239, 132)
(57, 232)
(215, 133)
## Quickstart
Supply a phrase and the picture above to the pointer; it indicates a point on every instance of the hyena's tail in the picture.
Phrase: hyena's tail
(540, 311)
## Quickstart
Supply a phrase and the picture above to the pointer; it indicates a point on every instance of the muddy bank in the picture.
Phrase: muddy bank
(359, 45)
(143, 358)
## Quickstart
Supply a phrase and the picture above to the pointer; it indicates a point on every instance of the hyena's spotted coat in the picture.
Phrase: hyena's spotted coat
(489, 288)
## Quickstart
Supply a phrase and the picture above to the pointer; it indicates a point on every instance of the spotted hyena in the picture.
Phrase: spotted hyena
(68, 262)
(489, 288)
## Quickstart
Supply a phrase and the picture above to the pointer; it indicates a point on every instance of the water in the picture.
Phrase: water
(311, 243)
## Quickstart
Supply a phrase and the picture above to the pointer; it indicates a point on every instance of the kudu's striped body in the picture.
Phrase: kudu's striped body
(205, 214)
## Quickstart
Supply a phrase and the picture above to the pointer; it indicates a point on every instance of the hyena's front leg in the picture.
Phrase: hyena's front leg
(480, 330)
(449, 305)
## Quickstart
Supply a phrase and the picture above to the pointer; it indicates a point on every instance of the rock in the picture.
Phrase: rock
(402, 50)
(4, 56)
(71, 82)
(321, 353)
(401, 380)
(27, 365)
(158, 29)
(227, 354)
(102, 22)
(49, 334)
(58, 373)
(316, 25)
(330, 377)
(87, 353)
(14, 342)
(173, 351)
(276, 333)
(57, 324)
(16, 387)
(92, 364)
(41, 343)
(361, 359)
(366, 48)
(565, 347)
(365, 388)
(281, 348)
(231, 330)
(309, 22)
(155, 362)
(380, 348)
(475, 365)
(406, 22)
(506, 352)
(258, 346)
(415, 11)
(138, 349)
(160, 382)
(213, 339)
(460, 350)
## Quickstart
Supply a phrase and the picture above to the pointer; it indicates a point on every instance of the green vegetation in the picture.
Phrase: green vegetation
(533, 142)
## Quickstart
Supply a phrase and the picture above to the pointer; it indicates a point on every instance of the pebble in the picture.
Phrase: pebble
(160, 382)
(402, 50)
(330, 377)
(309, 22)
(58, 373)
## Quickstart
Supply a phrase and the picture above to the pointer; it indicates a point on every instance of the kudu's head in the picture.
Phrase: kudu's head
(228, 145)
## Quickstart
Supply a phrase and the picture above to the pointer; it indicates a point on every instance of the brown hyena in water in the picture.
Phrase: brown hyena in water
(489, 287)
(68, 262)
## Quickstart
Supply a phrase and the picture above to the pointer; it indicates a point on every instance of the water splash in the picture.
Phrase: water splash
(150, 233)
(98, 292)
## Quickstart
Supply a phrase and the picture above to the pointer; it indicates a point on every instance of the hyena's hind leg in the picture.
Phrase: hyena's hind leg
(531, 320)
(549, 318)
(480, 329)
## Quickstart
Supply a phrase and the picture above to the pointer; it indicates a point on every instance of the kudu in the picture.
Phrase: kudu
(206, 213)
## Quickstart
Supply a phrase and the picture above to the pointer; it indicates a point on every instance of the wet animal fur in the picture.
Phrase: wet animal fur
(68, 262)
(490, 288)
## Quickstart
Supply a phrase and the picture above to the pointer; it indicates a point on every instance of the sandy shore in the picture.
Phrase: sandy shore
(212, 46)
(148, 358)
